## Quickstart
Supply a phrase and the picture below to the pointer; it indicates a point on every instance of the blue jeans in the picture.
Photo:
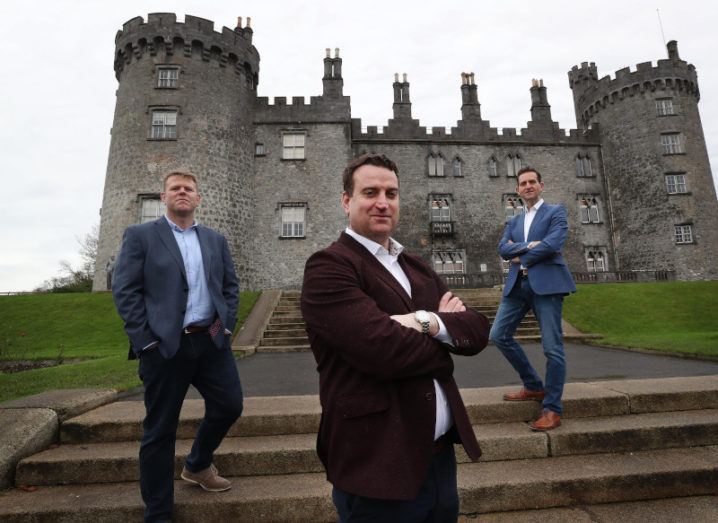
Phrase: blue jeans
(547, 309)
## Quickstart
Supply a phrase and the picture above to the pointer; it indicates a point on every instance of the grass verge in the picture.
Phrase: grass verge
(678, 317)
(63, 326)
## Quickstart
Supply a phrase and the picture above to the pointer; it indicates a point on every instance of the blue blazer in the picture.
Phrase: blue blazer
(150, 287)
(547, 270)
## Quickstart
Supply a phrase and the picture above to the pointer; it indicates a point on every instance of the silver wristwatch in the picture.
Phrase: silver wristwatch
(424, 319)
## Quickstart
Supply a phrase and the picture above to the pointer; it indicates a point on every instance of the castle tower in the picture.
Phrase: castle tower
(184, 102)
(658, 177)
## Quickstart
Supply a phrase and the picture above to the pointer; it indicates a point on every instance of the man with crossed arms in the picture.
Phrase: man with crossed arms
(382, 326)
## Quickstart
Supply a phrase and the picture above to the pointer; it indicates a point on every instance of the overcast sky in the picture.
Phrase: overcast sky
(57, 85)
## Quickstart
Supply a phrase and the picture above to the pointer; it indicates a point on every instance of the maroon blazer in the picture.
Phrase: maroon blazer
(375, 376)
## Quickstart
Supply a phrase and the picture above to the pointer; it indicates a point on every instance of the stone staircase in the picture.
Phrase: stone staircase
(621, 441)
(285, 331)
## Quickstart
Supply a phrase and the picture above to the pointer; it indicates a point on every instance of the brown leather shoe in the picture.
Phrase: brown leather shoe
(208, 479)
(525, 395)
(548, 420)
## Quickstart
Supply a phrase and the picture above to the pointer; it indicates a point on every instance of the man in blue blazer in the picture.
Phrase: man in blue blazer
(176, 290)
(538, 280)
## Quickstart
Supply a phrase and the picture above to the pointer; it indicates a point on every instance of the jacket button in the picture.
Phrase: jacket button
(429, 396)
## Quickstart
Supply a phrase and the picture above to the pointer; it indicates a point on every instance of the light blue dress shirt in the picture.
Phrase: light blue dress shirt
(200, 310)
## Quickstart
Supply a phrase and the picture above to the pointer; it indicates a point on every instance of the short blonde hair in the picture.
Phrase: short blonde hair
(182, 174)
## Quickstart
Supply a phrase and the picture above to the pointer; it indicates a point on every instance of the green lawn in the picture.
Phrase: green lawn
(677, 317)
(69, 326)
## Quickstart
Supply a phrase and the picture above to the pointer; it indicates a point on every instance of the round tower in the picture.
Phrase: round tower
(658, 176)
(184, 102)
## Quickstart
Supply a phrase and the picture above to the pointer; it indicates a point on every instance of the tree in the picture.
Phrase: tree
(78, 279)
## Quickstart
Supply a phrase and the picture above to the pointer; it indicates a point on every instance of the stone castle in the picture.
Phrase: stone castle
(634, 175)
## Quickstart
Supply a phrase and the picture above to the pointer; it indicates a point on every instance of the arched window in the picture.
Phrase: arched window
(493, 168)
(584, 168)
(513, 164)
(435, 163)
(456, 167)
(513, 205)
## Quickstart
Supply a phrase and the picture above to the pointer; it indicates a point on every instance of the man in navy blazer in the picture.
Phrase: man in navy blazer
(538, 280)
(382, 326)
(176, 290)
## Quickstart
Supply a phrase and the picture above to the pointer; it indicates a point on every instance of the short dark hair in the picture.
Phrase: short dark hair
(379, 160)
(527, 169)
(180, 174)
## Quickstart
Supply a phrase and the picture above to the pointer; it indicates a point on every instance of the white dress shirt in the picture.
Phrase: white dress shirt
(529, 215)
(390, 260)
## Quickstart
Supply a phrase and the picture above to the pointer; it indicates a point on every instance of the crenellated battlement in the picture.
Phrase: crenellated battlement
(477, 135)
(320, 109)
(195, 37)
(592, 94)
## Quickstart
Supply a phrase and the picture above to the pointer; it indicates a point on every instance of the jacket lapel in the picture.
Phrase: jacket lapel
(377, 268)
(204, 247)
(168, 239)
(539, 216)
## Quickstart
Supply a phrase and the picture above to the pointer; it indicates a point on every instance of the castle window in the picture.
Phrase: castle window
(167, 77)
(293, 220)
(676, 183)
(449, 261)
(441, 224)
(672, 143)
(584, 169)
(435, 164)
(456, 167)
(493, 168)
(513, 164)
(164, 124)
(151, 207)
(664, 107)
(684, 234)
(513, 205)
(259, 149)
(293, 144)
(588, 209)
(596, 260)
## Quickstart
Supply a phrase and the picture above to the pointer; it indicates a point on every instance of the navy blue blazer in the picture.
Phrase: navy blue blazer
(547, 270)
(150, 286)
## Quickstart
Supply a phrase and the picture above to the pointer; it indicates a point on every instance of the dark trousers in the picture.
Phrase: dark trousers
(214, 373)
(437, 501)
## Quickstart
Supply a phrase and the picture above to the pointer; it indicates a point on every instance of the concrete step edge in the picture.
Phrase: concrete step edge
(483, 487)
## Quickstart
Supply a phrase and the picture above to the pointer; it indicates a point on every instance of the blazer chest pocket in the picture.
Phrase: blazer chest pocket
(358, 405)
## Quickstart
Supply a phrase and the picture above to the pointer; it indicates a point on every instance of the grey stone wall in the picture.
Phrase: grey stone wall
(214, 97)
(644, 214)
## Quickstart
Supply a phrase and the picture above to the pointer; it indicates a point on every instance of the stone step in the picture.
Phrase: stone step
(121, 421)
(295, 453)
(284, 341)
(279, 320)
(483, 488)
(285, 326)
(666, 510)
(278, 313)
(285, 332)
(284, 348)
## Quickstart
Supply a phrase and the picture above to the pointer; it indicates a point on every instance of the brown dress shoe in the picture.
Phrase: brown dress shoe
(208, 479)
(524, 395)
(548, 420)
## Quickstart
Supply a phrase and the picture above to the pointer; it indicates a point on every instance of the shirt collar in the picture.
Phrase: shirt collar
(177, 228)
(535, 207)
(395, 248)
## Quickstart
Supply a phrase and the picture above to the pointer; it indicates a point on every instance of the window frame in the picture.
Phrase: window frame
(435, 165)
(664, 107)
(292, 229)
(294, 147)
(683, 234)
(517, 206)
(438, 261)
(672, 143)
(676, 184)
(150, 197)
(163, 134)
(173, 82)
(493, 167)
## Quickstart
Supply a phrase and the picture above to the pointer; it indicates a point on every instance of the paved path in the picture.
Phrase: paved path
(295, 373)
